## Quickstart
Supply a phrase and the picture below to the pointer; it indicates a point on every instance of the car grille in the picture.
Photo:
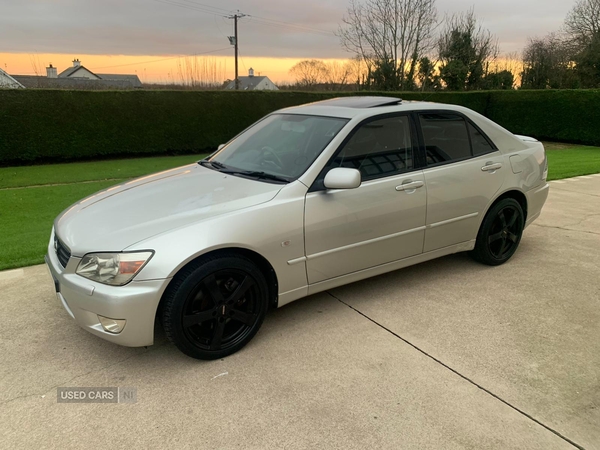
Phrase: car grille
(62, 252)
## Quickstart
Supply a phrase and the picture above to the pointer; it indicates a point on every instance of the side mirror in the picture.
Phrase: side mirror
(342, 178)
(220, 147)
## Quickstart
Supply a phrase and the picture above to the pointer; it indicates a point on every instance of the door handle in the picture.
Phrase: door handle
(409, 186)
(490, 167)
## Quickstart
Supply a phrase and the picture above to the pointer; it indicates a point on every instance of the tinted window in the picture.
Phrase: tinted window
(446, 137)
(480, 143)
(378, 149)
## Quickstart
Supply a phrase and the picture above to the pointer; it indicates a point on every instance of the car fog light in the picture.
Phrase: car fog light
(114, 326)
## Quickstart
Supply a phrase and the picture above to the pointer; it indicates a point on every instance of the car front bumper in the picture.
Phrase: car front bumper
(85, 300)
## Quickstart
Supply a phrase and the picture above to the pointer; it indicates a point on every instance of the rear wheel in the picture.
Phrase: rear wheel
(215, 306)
(500, 233)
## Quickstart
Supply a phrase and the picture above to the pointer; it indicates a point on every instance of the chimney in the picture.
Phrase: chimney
(76, 63)
(251, 72)
(51, 72)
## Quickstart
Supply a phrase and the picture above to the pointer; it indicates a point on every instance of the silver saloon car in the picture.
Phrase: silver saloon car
(306, 199)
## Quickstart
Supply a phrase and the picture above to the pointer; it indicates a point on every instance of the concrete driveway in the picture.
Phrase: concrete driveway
(447, 354)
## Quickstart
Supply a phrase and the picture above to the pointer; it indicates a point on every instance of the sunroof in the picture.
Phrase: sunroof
(360, 102)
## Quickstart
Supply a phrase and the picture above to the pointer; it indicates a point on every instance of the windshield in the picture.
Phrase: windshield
(280, 146)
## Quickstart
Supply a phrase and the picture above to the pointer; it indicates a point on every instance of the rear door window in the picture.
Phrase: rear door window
(446, 137)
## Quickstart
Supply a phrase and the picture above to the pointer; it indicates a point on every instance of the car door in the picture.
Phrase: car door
(464, 172)
(381, 221)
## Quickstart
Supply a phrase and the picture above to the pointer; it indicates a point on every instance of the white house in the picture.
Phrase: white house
(80, 72)
(8, 82)
(77, 77)
(76, 71)
(252, 83)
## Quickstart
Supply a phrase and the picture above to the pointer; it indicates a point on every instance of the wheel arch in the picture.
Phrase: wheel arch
(260, 261)
(514, 194)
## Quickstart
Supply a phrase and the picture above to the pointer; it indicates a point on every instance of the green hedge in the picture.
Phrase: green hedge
(554, 115)
(52, 125)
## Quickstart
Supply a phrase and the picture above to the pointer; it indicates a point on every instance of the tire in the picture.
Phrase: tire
(500, 233)
(214, 307)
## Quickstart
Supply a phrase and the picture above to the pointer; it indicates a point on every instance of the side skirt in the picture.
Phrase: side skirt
(288, 297)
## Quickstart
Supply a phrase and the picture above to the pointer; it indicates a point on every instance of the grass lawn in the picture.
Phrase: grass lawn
(26, 217)
(27, 213)
(89, 171)
(565, 160)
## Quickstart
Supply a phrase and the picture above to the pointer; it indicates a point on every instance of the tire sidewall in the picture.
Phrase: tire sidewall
(482, 250)
(177, 296)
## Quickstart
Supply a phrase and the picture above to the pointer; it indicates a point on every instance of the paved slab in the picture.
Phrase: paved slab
(320, 374)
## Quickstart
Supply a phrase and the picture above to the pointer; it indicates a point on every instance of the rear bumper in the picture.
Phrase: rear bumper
(535, 202)
(84, 300)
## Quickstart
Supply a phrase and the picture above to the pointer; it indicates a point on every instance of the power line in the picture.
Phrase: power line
(208, 6)
(293, 25)
(289, 27)
(162, 59)
(193, 8)
(221, 12)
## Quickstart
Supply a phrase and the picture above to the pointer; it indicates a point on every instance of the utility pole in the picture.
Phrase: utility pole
(233, 40)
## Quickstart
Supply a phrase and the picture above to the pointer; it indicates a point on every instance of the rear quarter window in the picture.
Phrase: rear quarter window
(480, 143)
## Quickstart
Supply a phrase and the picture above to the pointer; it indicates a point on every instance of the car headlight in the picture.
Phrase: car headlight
(115, 269)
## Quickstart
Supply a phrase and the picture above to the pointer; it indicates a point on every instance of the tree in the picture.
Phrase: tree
(309, 72)
(547, 63)
(426, 76)
(583, 22)
(337, 73)
(359, 71)
(465, 48)
(582, 27)
(502, 80)
(587, 62)
(389, 36)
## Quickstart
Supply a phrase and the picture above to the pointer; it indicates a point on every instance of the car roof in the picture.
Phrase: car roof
(357, 108)
(360, 101)
(363, 106)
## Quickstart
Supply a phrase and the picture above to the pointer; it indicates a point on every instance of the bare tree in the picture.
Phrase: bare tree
(309, 72)
(200, 72)
(583, 22)
(337, 73)
(395, 33)
(358, 69)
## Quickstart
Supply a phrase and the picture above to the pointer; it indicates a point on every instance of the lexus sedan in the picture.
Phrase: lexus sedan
(306, 199)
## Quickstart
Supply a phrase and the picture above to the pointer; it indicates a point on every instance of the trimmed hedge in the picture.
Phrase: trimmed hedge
(553, 115)
(53, 125)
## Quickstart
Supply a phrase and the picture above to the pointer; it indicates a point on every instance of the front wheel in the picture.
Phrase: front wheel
(215, 306)
(500, 233)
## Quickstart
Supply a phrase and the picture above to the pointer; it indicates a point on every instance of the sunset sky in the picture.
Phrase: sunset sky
(150, 37)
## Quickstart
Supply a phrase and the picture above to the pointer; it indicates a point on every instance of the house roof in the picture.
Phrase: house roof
(246, 83)
(12, 82)
(32, 81)
(132, 79)
(68, 72)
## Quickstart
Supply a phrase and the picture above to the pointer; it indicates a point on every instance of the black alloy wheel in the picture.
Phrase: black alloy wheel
(500, 233)
(215, 307)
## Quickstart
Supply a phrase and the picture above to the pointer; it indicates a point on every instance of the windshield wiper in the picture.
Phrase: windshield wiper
(256, 174)
(220, 167)
(217, 165)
